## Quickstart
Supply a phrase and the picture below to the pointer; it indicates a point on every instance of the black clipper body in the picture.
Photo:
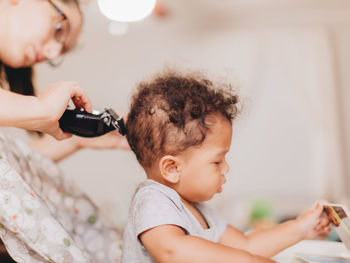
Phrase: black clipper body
(84, 124)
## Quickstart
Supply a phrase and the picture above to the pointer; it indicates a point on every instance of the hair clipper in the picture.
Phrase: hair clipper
(84, 124)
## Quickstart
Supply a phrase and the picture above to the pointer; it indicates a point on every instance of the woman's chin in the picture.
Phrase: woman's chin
(13, 60)
(17, 63)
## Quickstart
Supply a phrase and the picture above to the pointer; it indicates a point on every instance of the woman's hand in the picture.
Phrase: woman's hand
(110, 140)
(314, 222)
(43, 112)
(53, 101)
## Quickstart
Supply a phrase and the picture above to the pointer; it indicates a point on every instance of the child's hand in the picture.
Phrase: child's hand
(314, 222)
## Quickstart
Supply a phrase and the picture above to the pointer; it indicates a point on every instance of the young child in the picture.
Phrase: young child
(180, 127)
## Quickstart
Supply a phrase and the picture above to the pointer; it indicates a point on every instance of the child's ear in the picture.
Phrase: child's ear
(168, 166)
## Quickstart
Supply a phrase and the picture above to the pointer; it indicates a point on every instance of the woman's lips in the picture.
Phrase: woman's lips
(35, 55)
(38, 57)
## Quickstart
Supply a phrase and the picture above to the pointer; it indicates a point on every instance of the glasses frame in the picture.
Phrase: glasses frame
(59, 60)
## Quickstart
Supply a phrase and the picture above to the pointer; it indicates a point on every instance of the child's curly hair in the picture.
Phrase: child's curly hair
(168, 115)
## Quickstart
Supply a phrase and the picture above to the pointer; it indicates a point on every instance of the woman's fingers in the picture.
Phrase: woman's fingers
(54, 100)
(57, 133)
(80, 99)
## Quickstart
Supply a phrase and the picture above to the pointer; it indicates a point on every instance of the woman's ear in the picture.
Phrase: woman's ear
(169, 168)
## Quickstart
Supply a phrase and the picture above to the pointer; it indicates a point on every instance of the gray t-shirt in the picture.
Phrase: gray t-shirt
(154, 205)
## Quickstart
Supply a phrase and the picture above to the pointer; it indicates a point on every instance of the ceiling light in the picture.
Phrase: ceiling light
(126, 10)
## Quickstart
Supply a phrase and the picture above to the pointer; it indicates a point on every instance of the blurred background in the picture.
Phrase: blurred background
(289, 60)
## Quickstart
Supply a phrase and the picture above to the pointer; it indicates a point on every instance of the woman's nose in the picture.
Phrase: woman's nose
(52, 49)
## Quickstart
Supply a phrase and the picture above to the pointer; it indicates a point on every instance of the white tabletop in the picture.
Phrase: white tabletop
(316, 247)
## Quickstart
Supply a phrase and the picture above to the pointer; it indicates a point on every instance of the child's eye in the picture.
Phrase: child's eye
(217, 163)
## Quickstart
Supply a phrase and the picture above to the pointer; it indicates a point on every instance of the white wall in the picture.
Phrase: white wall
(278, 56)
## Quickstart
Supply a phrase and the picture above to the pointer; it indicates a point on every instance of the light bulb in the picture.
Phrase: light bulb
(126, 10)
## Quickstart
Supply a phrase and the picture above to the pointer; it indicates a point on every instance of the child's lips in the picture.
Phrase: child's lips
(220, 189)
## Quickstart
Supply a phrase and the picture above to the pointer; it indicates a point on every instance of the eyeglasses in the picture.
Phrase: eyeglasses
(62, 29)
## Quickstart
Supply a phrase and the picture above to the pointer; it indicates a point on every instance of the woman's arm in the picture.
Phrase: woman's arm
(53, 149)
(58, 150)
(43, 112)
(168, 244)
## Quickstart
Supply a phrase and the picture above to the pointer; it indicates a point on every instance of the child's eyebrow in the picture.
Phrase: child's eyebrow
(222, 152)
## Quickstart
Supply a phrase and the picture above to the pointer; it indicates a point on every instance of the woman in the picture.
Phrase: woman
(43, 217)
(31, 32)
(36, 31)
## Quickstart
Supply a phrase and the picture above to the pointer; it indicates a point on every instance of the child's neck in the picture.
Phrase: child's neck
(194, 211)
(151, 174)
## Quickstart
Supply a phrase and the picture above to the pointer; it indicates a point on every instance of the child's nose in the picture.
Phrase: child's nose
(225, 168)
(52, 49)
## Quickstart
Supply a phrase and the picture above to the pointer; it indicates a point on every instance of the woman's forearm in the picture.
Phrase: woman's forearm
(43, 112)
(53, 149)
(18, 110)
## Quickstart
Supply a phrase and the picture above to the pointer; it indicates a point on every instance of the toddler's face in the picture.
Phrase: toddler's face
(204, 167)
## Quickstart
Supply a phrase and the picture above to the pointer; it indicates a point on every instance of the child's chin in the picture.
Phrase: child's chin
(209, 197)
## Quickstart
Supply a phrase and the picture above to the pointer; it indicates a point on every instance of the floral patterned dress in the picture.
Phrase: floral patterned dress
(43, 215)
